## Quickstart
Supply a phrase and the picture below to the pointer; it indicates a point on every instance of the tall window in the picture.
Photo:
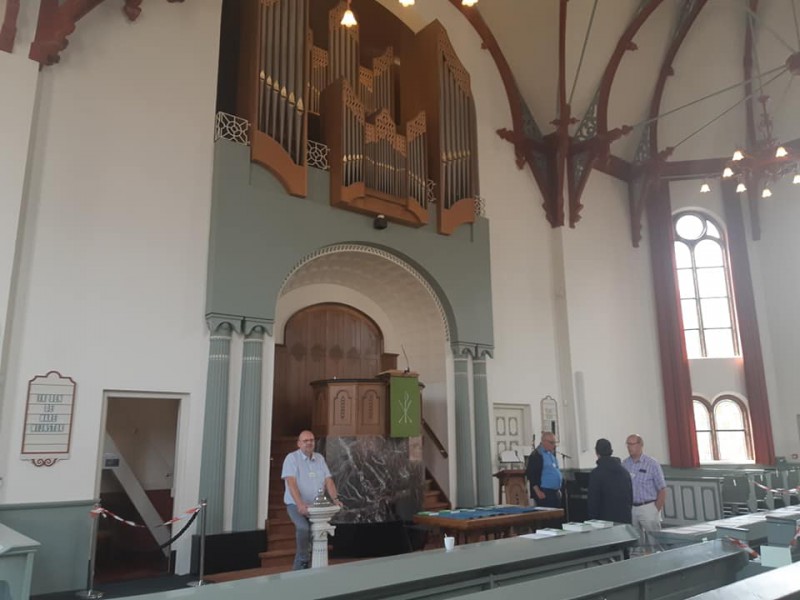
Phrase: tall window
(704, 285)
(723, 430)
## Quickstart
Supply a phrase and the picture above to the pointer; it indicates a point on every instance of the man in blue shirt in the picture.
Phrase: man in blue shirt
(304, 474)
(543, 473)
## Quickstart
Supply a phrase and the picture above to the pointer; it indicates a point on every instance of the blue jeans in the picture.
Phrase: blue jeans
(302, 529)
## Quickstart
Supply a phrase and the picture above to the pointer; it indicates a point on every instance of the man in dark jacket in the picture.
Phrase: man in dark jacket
(610, 487)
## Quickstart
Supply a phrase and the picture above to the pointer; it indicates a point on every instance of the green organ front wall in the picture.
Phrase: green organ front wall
(259, 233)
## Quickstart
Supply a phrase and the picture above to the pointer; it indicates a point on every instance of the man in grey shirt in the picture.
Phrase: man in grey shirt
(304, 474)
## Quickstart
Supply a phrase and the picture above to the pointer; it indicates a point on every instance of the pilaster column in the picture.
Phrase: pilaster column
(752, 358)
(245, 489)
(483, 432)
(212, 462)
(675, 375)
(465, 484)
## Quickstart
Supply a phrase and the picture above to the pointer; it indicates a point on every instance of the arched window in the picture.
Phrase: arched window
(723, 430)
(704, 285)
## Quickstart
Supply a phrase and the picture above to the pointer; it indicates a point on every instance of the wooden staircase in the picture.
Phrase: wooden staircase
(280, 530)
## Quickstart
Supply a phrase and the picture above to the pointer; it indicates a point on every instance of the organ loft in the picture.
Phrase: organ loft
(394, 110)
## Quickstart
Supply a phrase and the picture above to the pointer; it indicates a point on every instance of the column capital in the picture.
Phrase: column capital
(476, 351)
(251, 325)
(218, 322)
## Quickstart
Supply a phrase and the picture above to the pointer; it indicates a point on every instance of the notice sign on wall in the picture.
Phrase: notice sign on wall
(48, 419)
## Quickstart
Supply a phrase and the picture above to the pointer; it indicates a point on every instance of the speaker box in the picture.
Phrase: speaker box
(232, 551)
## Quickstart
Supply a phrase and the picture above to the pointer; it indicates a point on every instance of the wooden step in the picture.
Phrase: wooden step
(435, 506)
(279, 528)
(276, 557)
(282, 541)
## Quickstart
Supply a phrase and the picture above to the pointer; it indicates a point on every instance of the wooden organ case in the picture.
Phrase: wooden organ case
(400, 129)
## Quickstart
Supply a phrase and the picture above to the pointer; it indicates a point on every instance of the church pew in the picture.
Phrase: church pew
(777, 584)
(432, 574)
(674, 575)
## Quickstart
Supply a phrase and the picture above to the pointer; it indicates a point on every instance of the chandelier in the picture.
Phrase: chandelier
(766, 163)
(349, 18)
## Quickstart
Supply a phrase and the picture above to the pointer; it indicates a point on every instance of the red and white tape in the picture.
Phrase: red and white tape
(99, 511)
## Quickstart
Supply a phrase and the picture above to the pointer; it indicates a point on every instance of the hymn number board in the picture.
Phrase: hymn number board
(48, 419)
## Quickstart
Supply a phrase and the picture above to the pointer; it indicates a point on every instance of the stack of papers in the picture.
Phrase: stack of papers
(599, 524)
(577, 527)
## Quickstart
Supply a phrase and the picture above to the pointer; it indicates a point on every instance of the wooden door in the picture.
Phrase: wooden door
(321, 342)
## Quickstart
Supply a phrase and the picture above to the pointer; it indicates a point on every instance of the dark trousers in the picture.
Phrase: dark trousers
(552, 498)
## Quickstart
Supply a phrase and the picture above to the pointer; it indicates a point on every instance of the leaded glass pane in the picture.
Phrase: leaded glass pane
(683, 257)
(704, 447)
(693, 349)
(702, 422)
(728, 415)
(708, 253)
(689, 311)
(716, 312)
(686, 283)
(711, 230)
(711, 282)
(719, 343)
(732, 446)
(689, 227)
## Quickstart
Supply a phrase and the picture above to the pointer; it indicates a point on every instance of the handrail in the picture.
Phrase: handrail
(436, 442)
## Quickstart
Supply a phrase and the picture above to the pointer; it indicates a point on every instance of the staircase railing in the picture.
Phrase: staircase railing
(434, 438)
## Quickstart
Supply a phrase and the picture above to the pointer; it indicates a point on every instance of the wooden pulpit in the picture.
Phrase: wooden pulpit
(513, 482)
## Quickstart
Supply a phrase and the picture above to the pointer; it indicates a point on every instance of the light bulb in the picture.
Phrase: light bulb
(741, 188)
(796, 179)
(781, 152)
(469, 2)
(705, 188)
(728, 172)
(738, 155)
(767, 193)
(406, 2)
(348, 18)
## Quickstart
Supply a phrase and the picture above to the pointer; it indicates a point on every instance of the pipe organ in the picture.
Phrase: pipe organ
(386, 140)
(278, 141)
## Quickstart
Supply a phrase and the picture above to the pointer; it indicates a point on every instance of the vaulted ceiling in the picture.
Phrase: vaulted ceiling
(700, 46)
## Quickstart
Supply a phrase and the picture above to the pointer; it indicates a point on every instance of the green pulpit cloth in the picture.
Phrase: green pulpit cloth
(406, 412)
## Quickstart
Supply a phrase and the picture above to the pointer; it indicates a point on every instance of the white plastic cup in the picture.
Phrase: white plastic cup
(449, 542)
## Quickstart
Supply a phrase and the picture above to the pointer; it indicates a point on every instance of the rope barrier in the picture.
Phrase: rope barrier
(781, 491)
(180, 533)
(99, 511)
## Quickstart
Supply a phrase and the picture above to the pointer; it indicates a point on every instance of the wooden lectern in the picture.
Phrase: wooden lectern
(515, 486)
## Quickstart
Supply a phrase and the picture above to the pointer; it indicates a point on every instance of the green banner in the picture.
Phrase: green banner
(406, 410)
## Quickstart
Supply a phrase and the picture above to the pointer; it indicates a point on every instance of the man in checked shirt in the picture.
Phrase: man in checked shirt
(649, 491)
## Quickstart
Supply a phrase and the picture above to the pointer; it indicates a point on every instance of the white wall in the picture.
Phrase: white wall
(776, 279)
(613, 336)
(114, 247)
(18, 101)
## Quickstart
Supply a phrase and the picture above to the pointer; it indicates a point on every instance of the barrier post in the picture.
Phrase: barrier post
(89, 593)
(202, 561)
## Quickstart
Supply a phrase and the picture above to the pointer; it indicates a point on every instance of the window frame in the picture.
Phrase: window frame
(691, 244)
(747, 428)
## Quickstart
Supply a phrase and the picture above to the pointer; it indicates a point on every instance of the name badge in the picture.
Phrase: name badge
(312, 474)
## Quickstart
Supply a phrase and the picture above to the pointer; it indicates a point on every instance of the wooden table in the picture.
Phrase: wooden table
(485, 524)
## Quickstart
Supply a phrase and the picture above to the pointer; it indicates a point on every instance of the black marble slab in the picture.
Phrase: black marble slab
(373, 474)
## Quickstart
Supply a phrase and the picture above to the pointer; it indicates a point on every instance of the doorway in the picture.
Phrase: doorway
(136, 483)
(511, 429)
